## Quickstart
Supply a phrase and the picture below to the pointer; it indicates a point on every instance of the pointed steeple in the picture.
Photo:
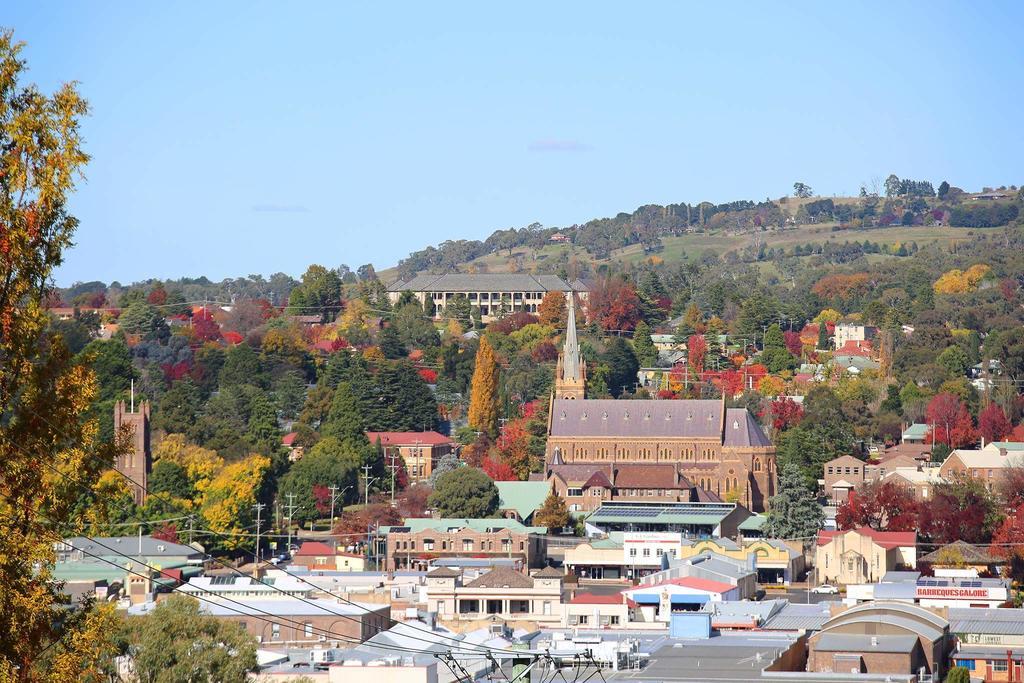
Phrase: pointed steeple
(571, 349)
(571, 373)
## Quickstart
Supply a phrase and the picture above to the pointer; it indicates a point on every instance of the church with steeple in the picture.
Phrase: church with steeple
(650, 450)
(571, 371)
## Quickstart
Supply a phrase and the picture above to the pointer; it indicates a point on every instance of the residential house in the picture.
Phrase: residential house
(501, 594)
(420, 451)
(921, 482)
(842, 475)
(915, 433)
(983, 464)
(314, 554)
(851, 332)
(295, 451)
(962, 555)
(418, 541)
(862, 555)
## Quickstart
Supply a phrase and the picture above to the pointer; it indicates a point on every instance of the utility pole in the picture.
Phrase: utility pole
(366, 485)
(394, 470)
(259, 511)
(291, 511)
(334, 490)
(191, 520)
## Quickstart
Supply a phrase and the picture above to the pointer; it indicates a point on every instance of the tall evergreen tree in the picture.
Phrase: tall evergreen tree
(794, 511)
(262, 429)
(643, 345)
(823, 342)
(390, 344)
(483, 391)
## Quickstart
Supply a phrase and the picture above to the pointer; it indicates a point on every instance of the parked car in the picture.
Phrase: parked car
(825, 588)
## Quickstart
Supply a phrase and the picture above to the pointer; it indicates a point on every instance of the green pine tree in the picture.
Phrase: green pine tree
(823, 343)
(794, 512)
(390, 343)
(643, 345)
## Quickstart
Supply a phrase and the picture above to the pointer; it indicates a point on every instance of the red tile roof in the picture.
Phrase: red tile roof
(591, 599)
(690, 582)
(855, 348)
(314, 548)
(886, 539)
(408, 438)
(289, 438)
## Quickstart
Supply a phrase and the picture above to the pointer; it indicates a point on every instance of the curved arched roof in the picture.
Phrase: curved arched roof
(900, 614)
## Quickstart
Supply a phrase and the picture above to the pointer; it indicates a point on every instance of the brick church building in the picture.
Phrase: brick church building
(656, 450)
(137, 461)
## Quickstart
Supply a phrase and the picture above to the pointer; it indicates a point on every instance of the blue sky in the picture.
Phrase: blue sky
(257, 137)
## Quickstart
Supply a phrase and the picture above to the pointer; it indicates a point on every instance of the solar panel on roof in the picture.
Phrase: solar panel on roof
(222, 581)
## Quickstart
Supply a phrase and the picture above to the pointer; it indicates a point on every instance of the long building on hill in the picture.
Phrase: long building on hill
(493, 293)
(651, 449)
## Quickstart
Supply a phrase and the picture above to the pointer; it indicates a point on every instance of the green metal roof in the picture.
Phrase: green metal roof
(705, 514)
(916, 431)
(752, 523)
(1009, 445)
(416, 524)
(613, 542)
(523, 497)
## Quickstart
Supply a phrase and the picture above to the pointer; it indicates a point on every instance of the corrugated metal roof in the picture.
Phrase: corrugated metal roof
(1001, 621)
(849, 642)
(710, 514)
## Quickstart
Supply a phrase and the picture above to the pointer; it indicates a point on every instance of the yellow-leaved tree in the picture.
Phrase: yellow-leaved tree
(50, 452)
(228, 500)
(483, 390)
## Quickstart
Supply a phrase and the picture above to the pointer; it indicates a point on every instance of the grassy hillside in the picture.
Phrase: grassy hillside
(696, 244)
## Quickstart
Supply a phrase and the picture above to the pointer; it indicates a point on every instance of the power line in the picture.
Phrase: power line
(258, 580)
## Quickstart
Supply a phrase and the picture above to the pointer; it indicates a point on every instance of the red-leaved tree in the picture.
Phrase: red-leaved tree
(793, 343)
(204, 327)
(1008, 538)
(785, 413)
(950, 422)
(497, 470)
(993, 425)
(696, 350)
(168, 532)
(882, 506)
(614, 304)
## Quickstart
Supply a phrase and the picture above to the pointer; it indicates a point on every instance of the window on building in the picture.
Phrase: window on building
(998, 665)
(522, 545)
(428, 544)
(632, 552)
(573, 492)
(584, 619)
(467, 545)
(307, 630)
(412, 545)
(615, 620)
(647, 552)
(275, 631)
(506, 545)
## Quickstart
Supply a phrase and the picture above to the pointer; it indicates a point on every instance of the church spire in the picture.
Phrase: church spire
(571, 350)
(571, 373)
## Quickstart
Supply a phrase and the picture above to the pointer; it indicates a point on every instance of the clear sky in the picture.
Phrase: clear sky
(231, 138)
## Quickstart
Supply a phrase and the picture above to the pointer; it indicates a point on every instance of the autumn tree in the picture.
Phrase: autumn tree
(614, 304)
(993, 425)
(696, 351)
(884, 506)
(552, 309)
(950, 422)
(553, 514)
(49, 450)
(483, 392)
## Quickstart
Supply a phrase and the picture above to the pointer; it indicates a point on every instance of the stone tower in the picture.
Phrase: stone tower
(571, 372)
(137, 462)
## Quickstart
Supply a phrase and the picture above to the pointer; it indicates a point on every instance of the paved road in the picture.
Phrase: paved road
(801, 596)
